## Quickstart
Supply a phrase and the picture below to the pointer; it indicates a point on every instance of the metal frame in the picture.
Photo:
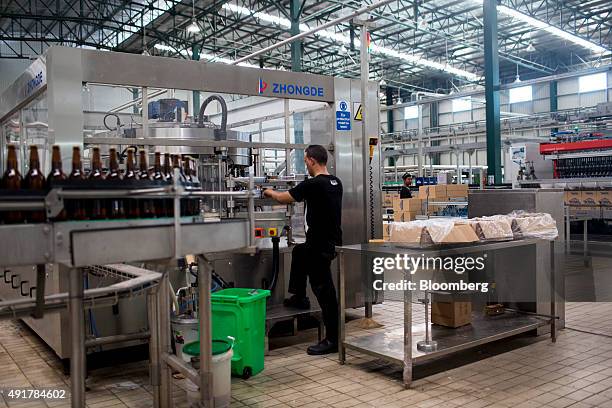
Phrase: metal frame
(376, 344)
(441, 30)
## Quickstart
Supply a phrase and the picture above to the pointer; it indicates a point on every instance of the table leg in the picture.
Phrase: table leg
(154, 349)
(553, 295)
(204, 314)
(342, 301)
(585, 247)
(77, 338)
(165, 373)
(407, 374)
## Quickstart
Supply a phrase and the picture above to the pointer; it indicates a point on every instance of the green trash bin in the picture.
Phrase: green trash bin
(241, 313)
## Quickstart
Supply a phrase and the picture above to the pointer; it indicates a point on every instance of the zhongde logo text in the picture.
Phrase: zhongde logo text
(34, 83)
(290, 89)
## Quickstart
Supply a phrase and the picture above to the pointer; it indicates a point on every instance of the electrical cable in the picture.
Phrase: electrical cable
(223, 130)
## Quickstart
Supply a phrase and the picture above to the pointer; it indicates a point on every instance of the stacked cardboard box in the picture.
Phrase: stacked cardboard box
(457, 190)
(388, 199)
(406, 209)
(436, 192)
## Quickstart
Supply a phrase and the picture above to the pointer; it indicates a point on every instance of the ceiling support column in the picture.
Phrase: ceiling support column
(492, 91)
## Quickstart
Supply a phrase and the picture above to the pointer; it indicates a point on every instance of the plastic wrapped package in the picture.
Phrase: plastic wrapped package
(411, 232)
(433, 231)
(494, 228)
(533, 225)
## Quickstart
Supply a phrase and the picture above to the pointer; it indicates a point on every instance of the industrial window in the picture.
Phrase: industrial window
(521, 94)
(411, 112)
(594, 82)
(462, 104)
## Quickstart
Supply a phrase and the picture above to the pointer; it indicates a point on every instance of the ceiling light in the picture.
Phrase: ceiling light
(345, 39)
(530, 48)
(549, 28)
(193, 27)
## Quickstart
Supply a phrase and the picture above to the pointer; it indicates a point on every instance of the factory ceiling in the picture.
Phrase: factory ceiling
(415, 45)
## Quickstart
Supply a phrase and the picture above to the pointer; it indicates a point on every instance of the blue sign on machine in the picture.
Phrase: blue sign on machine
(343, 116)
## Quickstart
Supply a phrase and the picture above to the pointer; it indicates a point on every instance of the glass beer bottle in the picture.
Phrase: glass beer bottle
(116, 206)
(147, 208)
(56, 175)
(11, 181)
(97, 208)
(76, 208)
(132, 208)
(34, 180)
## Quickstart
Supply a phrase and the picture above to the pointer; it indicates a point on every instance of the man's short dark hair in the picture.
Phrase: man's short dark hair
(406, 175)
(317, 153)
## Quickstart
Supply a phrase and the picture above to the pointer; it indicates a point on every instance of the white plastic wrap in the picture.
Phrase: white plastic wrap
(493, 228)
(407, 232)
(533, 225)
(439, 228)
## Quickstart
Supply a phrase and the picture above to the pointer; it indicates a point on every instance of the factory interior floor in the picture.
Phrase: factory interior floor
(520, 372)
(524, 371)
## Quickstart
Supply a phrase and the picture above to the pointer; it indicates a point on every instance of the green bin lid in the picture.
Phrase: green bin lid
(239, 295)
(218, 347)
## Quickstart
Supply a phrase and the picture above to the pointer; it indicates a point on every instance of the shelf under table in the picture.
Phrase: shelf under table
(389, 345)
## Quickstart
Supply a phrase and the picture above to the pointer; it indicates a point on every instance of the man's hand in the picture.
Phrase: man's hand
(283, 198)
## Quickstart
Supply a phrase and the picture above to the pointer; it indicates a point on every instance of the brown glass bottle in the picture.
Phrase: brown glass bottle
(132, 208)
(11, 181)
(147, 207)
(34, 180)
(76, 208)
(56, 175)
(158, 177)
(167, 170)
(116, 206)
(97, 208)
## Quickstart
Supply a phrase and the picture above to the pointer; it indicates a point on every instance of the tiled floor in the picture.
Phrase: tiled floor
(576, 372)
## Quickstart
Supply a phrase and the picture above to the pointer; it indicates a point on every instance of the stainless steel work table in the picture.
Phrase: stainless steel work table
(400, 345)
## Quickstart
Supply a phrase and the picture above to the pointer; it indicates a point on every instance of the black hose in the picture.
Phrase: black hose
(208, 100)
(275, 262)
(117, 125)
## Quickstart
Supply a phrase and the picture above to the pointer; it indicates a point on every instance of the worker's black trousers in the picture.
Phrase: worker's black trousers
(309, 263)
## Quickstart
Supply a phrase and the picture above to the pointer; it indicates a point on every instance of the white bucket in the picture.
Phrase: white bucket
(184, 331)
(222, 382)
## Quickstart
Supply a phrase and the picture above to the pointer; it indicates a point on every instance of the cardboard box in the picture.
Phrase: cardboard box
(407, 204)
(460, 233)
(451, 314)
(589, 198)
(435, 191)
(573, 197)
(404, 216)
(457, 190)
(406, 232)
(386, 230)
(388, 199)
(604, 198)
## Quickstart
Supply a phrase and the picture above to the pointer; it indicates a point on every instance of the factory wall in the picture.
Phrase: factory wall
(568, 97)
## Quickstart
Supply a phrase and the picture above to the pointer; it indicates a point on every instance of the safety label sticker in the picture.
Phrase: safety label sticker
(343, 115)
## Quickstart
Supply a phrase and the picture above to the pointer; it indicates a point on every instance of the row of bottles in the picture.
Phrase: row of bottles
(97, 178)
(584, 167)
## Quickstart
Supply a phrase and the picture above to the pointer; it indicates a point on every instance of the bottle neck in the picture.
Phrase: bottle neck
(11, 158)
(130, 161)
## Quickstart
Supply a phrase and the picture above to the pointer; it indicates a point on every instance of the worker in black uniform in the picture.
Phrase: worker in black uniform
(405, 191)
(322, 193)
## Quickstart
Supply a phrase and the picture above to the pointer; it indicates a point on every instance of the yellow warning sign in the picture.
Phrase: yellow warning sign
(358, 113)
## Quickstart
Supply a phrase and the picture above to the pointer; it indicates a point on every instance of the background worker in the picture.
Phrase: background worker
(322, 194)
(405, 191)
